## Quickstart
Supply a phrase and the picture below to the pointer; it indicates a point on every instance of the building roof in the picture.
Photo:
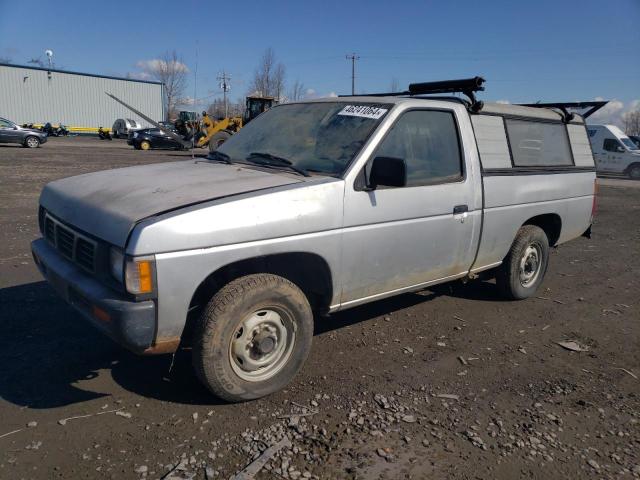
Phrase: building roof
(54, 70)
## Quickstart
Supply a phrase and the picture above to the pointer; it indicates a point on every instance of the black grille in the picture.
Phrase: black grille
(70, 244)
(85, 253)
(64, 241)
(49, 230)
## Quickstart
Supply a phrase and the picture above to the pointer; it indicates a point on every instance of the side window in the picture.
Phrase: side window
(5, 124)
(535, 144)
(611, 144)
(428, 142)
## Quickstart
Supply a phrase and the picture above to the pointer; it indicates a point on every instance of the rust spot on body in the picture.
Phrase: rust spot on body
(163, 345)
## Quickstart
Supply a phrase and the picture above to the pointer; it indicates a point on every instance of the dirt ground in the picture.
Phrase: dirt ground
(451, 382)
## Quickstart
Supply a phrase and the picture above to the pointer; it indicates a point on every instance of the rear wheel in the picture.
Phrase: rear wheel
(525, 265)
(218, 139)
(145, 145)
(253, 337)
(31, 142)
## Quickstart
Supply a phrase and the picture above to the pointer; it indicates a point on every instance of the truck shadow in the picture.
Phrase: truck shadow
(50, 357)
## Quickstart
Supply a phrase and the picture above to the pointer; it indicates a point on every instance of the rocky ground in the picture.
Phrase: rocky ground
(451, 382)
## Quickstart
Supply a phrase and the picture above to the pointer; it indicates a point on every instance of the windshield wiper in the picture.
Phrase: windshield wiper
(220, 156)
(276, 161)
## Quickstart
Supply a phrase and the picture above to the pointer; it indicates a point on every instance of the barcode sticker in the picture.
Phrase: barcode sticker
(365, 111)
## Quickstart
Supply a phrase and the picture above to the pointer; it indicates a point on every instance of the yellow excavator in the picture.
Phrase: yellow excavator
(216, 131)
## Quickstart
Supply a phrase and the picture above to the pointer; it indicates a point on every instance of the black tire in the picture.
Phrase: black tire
(634, 171)
(31, 142)
(218, 139)
(516, 278)
(222, 326)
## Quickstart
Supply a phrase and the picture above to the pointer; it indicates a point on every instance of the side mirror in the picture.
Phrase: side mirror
(387, 172)
(620, 149)
(15, 127)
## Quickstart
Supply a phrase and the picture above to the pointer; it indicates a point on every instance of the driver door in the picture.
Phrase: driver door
(399, 238)
(7, 132)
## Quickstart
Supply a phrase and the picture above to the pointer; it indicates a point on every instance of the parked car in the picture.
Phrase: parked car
(123, 126)
(314, 207)
(149, 138)
(27, 137)
(613, 151)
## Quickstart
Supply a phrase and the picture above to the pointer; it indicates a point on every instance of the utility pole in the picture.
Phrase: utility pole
(353, 57)
(225, 86)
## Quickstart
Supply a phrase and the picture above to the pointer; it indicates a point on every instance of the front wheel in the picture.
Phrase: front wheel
(524, 267)
(634, 172)
(253, 337)
(145, 145)
(31, 142)
(218, 139)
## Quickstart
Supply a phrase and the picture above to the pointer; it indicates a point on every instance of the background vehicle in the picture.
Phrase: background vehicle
(149, 138)
(316, 206)
(12, 133)
(613, 151)
(122, 127)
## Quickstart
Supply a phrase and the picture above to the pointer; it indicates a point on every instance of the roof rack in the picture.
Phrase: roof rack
(466, 86)
(564, 106)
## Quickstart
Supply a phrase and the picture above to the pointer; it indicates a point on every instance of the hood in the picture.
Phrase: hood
(108, 204)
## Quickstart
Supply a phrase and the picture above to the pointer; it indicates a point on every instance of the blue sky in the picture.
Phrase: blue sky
(560, 50)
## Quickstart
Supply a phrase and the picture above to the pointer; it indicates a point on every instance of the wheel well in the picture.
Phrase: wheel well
(550, 223)
(310, 272)
(630, 166)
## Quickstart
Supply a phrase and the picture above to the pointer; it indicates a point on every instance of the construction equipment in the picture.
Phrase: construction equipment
(218, 131)
(221, 130)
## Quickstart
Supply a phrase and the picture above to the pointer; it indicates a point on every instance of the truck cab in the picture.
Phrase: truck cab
(614, 152)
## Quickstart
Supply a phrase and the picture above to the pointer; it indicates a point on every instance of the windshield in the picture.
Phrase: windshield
(318, 137)
(629, 143)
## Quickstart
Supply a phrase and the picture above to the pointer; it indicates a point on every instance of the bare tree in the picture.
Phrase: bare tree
(170, 70)
(395, 85)
(297, 91)
(632, 122)
(269, 77)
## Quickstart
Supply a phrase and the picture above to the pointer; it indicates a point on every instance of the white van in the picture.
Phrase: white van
(613, 151)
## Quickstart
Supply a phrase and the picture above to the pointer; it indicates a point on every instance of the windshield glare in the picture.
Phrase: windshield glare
(318, 137)
(629, 143)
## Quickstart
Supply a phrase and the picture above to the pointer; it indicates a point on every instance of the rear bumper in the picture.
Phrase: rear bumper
(131, 324)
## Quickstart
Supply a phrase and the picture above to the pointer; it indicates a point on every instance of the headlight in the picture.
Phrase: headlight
(139, 274)
(135, 134)
(116, 263)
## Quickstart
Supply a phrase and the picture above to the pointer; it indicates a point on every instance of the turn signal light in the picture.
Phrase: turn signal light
(139, 275)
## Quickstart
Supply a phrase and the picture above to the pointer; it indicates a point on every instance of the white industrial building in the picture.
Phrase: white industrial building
(38, 95)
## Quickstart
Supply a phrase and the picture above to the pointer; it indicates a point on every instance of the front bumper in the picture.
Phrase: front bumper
(131, 324)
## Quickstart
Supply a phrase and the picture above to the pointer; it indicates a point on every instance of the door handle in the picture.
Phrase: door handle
(458, 209)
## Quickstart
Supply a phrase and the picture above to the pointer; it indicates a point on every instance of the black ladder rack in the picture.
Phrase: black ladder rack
(466, 86)
(565, 106)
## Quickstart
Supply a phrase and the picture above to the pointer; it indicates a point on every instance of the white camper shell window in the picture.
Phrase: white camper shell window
(538, 144)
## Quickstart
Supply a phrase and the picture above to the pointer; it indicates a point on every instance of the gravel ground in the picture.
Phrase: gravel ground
(450, 382)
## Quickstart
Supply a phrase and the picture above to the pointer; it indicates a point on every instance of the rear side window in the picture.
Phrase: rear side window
(536, 144)
(428, 142)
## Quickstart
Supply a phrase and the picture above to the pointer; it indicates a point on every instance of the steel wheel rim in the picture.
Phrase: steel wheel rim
(530, 264)
(261, 344)
(32, 142)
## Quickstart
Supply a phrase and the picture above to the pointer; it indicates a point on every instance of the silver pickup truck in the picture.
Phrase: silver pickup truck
(312, 208)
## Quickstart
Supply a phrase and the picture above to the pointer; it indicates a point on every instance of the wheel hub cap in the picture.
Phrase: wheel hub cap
(261, 345)
(530, 265)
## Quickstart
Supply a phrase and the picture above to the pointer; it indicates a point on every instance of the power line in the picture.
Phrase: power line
(353, 57)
